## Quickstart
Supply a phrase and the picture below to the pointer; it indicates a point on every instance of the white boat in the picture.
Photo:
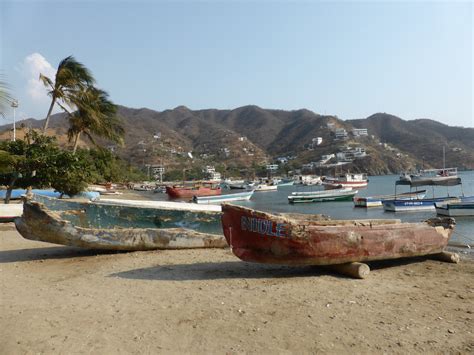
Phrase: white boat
(162, 205)
(430, 176)
(322, 196)
(346, 180)
(456, 208)
(217, 199)
(307, 180)
(266, 187)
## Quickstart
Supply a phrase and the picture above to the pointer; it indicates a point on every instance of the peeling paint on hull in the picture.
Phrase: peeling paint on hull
(39, 223)
(326, 242)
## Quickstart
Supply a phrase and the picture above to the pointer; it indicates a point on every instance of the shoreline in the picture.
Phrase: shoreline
(58, 299)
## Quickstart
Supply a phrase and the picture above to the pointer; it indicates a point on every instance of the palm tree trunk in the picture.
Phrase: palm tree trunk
(76, 142)
(10, 187)
(49, 114)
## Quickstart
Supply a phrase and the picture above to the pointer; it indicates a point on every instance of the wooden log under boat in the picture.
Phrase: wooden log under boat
(268, 238)
(39, 223)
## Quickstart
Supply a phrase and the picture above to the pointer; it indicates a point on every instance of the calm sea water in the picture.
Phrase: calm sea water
(277, 201)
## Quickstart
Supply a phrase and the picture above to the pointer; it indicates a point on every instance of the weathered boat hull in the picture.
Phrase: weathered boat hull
(39, 223)
(297, 240)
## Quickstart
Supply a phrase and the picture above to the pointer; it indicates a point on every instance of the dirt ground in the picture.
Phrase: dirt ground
(58, 299)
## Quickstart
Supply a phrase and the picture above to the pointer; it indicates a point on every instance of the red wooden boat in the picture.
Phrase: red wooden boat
(297, 239)
(182, 191)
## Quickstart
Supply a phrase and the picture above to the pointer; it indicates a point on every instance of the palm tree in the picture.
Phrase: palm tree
(71, 78)
(95, 116)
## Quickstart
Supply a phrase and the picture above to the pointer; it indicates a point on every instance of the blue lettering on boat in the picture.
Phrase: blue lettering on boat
(263, 226)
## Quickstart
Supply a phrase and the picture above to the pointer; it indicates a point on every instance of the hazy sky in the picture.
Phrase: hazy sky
(413, 59)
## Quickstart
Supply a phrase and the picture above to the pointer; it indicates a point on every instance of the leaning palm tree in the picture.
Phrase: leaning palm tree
(71, 78)
(95, 116)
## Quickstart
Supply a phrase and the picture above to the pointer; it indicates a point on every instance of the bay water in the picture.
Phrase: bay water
(277, 201)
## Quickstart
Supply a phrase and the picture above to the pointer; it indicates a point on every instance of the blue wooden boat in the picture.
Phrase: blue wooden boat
(422, 204)
(239, 196)
(95, 225)
(377, 201)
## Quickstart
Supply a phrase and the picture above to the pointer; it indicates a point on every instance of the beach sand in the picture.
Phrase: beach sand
(57, 299)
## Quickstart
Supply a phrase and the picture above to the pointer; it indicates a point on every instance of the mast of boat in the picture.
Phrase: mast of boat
(444, 157)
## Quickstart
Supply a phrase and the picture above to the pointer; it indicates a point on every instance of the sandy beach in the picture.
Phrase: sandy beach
(57, 299)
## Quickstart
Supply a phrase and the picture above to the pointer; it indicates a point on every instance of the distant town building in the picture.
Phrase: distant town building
(157, 135)
(272, 167)
(242, 139)
(331, 126)
(317, 141)
(282, 160)
(360, 132)
(341, 133)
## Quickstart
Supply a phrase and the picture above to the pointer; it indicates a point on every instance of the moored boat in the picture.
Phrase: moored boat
(377, 201)
(112, 227)
(456, 208)
(265, 187)
(421, 204)
(322, 196)
(346, 180)
(295, 239)
(239, 196)
(188, 191)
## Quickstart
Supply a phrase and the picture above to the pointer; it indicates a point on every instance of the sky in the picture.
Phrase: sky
(412, 59)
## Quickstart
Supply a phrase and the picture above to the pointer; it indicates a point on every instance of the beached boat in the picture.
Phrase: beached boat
(322, 196)
(346, 180)
(239, 196)
(298, 239)
(422, 204)
(10, 211)
(198, 189)
(377, 201)
(115, 227)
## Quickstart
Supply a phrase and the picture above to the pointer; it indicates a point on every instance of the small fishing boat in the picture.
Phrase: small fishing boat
(298, 239)
(346, 180)
(188, 191)
(113, 227)
(265, 187)
(456, 208)
(322, 196)
(377, 201)
(239, 196)
(285, 182)
(421, 204)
